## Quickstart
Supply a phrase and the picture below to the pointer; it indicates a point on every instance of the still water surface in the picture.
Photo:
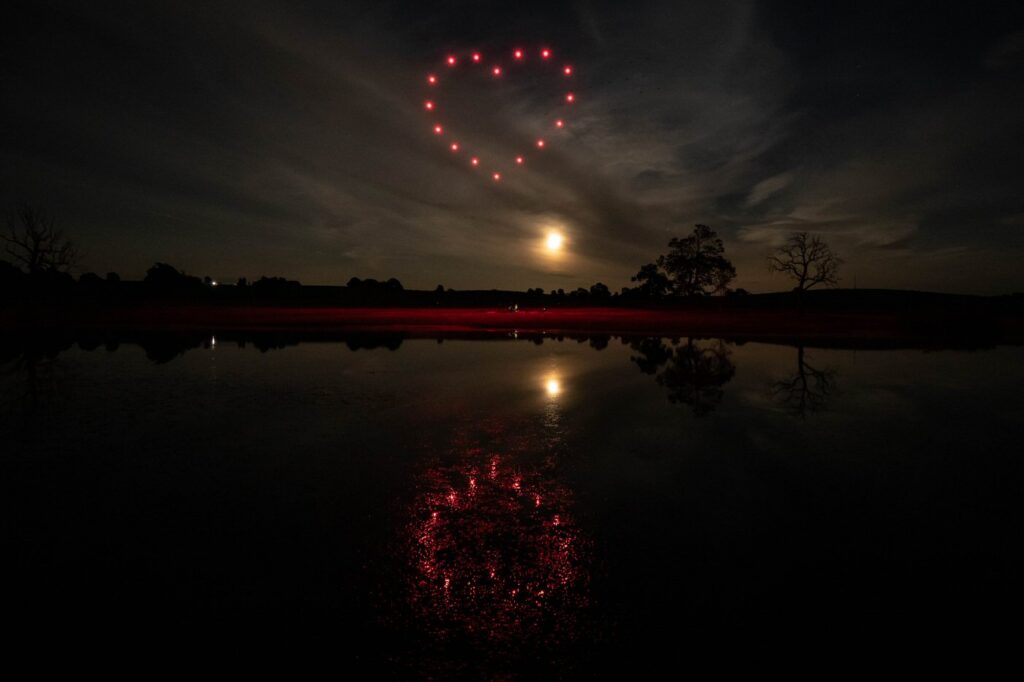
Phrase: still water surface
(506, 507)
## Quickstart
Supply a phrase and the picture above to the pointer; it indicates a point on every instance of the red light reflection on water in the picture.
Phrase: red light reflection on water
(489, 561)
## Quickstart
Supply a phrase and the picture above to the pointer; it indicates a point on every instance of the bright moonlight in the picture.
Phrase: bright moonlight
(554, 241)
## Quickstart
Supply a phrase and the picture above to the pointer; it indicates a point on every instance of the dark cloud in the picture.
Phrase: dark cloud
(266, 137)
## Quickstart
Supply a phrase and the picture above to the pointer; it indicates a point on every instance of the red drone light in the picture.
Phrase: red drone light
(497, 71)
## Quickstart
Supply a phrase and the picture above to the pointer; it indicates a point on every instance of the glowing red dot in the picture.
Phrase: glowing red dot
(476, 57)
(428, 105)
(567, 70)
(519, 160)
(475, 161)
(559, 123)
(432, 79)
(438, 130)
(518, 54)
(570, 98)
(540, 143)
(497, 176)
(496, 70)
(451, 60)
(545, 53)
(455, 146)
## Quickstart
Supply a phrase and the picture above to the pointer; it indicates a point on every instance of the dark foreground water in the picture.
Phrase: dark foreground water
(509, 508)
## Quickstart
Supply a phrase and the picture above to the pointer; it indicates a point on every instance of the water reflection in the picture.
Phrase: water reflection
(33, 375)
(496, 562)
(553, 386)
(806, 390)
(693, 371)
(500, 509)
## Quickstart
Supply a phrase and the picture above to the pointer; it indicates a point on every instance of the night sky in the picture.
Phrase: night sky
(261, 138)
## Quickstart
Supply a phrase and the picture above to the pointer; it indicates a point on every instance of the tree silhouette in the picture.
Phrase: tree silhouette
(806, 390)
(653, 282)
(806, 259)
(35, 244)
(696, 265)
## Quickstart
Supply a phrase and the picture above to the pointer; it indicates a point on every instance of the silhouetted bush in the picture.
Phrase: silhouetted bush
(275, 286)
(166, 279)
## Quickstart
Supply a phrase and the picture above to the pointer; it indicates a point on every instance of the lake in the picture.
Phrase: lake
(509, 507)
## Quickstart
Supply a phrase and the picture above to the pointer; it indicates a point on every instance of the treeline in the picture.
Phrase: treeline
(40, 257)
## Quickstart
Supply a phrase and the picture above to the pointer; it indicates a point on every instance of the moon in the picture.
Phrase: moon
(554, 241)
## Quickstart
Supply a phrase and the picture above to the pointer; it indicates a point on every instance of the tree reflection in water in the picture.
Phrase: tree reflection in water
(496, 562)
(693, 371)
(806, 390)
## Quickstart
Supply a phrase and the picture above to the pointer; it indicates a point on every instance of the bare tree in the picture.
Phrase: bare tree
(806, 259)
(35, 244)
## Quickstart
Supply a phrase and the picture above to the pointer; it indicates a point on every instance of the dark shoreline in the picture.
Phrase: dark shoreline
(830, 318)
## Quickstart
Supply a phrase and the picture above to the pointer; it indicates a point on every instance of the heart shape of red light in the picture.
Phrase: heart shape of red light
(452, 62)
